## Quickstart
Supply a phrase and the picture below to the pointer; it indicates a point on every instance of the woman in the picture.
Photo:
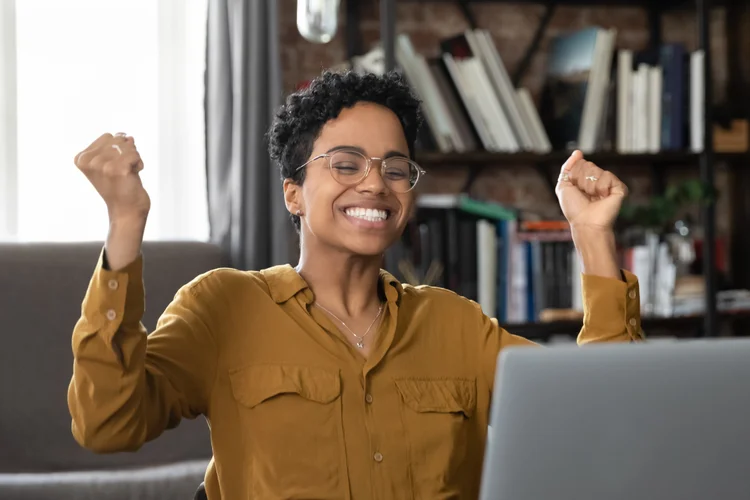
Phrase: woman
(330, 379)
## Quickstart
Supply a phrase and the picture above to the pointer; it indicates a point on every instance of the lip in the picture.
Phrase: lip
(379, 205)
(367, 224)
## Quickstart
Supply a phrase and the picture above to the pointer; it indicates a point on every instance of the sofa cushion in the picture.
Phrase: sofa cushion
(41, 290)
(177, 481)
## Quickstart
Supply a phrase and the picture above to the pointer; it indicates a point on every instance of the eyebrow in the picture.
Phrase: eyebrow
(358, 149)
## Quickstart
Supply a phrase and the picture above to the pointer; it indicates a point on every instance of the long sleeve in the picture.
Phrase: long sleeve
(611, 313)
(128, 387)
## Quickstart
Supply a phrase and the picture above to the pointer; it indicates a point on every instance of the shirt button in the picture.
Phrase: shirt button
(632, 322)
(368, 398)
(378, 457)
(111, 314)
(113, 284)
(631, 294)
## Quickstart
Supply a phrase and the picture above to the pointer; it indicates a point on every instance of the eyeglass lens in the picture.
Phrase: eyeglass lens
(349, 167)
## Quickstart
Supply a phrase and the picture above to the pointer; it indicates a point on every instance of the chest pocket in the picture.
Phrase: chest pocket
(437, 416)
(291, 421)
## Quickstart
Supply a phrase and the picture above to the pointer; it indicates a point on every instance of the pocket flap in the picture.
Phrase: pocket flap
(439, 395)
(251, 385)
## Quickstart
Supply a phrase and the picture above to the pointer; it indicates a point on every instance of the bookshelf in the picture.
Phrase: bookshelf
(431, 160)
(705, 160)
(677, 327)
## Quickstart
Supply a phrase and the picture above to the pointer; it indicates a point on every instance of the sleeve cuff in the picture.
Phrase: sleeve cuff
(114, 298)
(609, 304)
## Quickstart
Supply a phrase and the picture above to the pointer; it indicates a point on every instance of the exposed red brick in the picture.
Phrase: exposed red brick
(512, 27)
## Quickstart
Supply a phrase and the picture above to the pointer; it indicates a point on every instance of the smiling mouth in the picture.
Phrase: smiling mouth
(368, 214)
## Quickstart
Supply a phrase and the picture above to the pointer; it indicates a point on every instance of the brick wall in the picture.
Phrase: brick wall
(512, 27)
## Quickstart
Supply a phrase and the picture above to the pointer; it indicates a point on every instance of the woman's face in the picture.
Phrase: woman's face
(341, 216)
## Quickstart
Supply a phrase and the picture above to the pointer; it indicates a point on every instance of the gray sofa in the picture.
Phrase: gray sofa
(41, 289)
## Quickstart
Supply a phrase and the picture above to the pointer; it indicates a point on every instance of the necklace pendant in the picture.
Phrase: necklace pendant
(360, 344)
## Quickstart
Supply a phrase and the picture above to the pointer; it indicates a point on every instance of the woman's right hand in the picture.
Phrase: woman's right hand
(111, 164)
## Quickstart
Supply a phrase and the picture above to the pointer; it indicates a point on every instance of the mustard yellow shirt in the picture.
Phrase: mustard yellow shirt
(294, 410)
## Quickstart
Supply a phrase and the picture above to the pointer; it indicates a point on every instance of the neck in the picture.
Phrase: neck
(343, 283)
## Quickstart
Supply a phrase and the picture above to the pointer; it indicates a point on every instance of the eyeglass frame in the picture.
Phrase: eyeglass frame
(420, 170)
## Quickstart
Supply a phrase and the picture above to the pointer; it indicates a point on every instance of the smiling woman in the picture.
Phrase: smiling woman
(329, 379)
(339, 203)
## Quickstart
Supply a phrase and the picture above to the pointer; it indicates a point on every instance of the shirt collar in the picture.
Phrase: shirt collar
(284, 282)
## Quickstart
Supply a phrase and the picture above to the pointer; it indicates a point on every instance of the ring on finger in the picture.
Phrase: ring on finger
(564, 177)
(117, 147)
(592, 178)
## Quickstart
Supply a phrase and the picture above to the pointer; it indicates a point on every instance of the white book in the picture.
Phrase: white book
(487, 266)
(624, 101)
(491, 108)
(533, 121)
(666, 276)
(438, 200)
(697, 101)
(640, 109)
(482, 44)
(655, 84)
(440, 107)
(576, 272)
(407, 60)
(596, 91)
(469, 98)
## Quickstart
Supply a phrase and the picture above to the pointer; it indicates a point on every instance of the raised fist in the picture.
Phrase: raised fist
(111, 164)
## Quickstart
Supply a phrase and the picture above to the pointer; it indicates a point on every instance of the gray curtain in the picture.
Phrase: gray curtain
(243, 90)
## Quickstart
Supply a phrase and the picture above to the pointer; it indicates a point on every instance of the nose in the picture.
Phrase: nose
(373, 182)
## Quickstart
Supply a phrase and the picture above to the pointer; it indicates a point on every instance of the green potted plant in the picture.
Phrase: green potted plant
(660, 213)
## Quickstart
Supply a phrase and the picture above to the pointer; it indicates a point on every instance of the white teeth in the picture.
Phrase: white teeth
(368, 214)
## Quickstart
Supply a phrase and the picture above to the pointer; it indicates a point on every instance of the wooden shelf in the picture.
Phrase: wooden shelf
(485, 158)
(663, 4)
(680, 327)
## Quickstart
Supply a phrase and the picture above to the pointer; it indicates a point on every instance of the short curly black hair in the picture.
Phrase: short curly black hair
(298, 122)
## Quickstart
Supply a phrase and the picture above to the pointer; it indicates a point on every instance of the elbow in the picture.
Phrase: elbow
(104, 428)
(102, 440)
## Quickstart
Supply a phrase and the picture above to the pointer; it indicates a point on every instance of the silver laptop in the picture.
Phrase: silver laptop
(662, 421)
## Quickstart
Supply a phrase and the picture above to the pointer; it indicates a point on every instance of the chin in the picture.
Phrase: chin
(367, 248)
(369, 238)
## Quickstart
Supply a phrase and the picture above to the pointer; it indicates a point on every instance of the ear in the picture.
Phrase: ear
(292, 196)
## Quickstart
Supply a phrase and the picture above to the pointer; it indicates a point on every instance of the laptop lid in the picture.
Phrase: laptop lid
(661, 421)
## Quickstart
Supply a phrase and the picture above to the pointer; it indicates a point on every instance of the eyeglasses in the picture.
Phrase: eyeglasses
(350, 167)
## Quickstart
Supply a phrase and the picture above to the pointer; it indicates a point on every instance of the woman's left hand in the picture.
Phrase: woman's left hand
(590, 197)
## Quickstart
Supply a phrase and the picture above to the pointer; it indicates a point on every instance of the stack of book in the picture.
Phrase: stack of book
(595, 97)
(518, 271)
(469, 100)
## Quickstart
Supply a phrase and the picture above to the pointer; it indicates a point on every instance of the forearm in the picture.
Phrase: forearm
(124, 241)
(598, 252)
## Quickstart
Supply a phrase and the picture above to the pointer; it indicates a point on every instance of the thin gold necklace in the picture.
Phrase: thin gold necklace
(360, 339)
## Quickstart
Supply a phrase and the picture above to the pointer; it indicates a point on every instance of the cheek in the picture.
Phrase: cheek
(320, 198)
(406, 201)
